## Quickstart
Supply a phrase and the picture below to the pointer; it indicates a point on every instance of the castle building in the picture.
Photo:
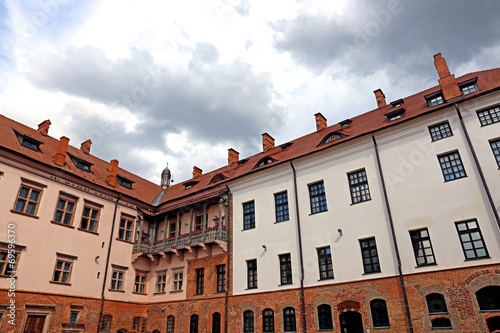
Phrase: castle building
(384, 222)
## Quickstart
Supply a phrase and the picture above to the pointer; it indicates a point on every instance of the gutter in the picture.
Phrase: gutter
(301, 256)
(107, 263)
(228, 264)
(394, 240)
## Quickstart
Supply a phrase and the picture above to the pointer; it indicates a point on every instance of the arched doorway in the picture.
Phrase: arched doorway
(493, 324)
(351, 322)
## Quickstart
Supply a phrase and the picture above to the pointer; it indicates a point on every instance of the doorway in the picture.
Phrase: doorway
(351, 322)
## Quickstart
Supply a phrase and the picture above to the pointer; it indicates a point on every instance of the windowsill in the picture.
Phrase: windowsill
(441, 328)
(438, 313)
(487, 257)
(328, 278)
(355, 203)
(489, 311)
(196, 295)
(285, 284)
(63, 283)
(136, 293)
(447, 181)
(369, 273)
(125, 241)
(277, 222)
(252, 288)
(220, 292)
(442, 138)
(160, 293)
(176, 291)
(426, 265)
(381, 327)
(23, 214)
(116, 290)
(90, 232)
(248, 229)
(62, 224)
(8, 276)
(319, 212)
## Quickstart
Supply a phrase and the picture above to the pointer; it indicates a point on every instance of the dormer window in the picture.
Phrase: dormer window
(217, 178)
(28, 142)
(435, 99)
(468, 87)
(240, 162)
(190, 184)
(395, 115)
(124, 182)
(398, 103)
(345, 123)
(265, 160)
(80, 164)
(330, 137)
(285, 145)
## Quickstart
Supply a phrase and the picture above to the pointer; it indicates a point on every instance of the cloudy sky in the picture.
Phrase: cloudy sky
(157, 81)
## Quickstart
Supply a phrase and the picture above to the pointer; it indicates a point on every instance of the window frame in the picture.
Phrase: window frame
(493, 114)
(221, 278)
(140, 282)
(438, 133)
(67, 198)
(200, 281)
(170, 324)
(496, 155)
(252, 277)
(161, 282)
(289, 319)
(30, 185)
(249, 215)
(440, 298)
(285, 261)
(317, 197)
(325, 260)
(123, 231)
(193, 323)
(119, 283)
(248, 321)
(445, 170)
(325, 319)
(281, 207)
(58, 273)
(358, 186)
(268, 320)
(105, 324)
(470, 231)
(92, 207)
(435, 99)
(370, 248)
(420, 241)
(379, 313)
(216, 322)
(5, 265)
(177, 279)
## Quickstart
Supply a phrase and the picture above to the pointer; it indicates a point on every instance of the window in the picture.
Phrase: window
(177, 281)
(125, 229)
(264, 161)
(325, 263)
(495, 146)
(90, 217)
(289, 319)
(325, 317)
(73, 316)
(7, 262)
(422, 247)
(200, 276)
(139, 324)
(64, 210)
(216, 322)
(161, 282)
(471, 239)
(62, 271)
(27, 200)
(436, 303)
(318, 198)
(80, 164)
(170, 324)
(345, 123)
(249, 215)
(117, 279)
(268, 320)
(489, 116)
(332, 137)
(199, 223)
(398, 103)
(248, 321)
(30, 143)
(285, 269)
(252, 274)
(140, 282)
(172, 229)
(435, 100)
(359, 186)
(380, 317)
(34, 324)
(395, 115)
(193, 324)
(441, 323)
(281, 202)
(105, 323)
(124, 182)
(488, 298)
(452, 166)
(468, 89)
(370, 255)
(221, 278)
(440, 131)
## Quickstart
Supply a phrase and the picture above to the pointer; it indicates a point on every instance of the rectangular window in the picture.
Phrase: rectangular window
(325, 263)
(172, 229)
(285, 268)
(436, 100)
(90, 217)
(252, 274)
(249, 215)
(359, 186)
(65, 209)
(318, 198)
(468, 89)
(34, 324)
(30, 143)
(472, 240)
(27, 200)
(489, 116)
(73, 316)
(199, 223)
(370, 255)
(452, 166)
(281, 202)
(140, 282)
(440, 131)
(200, 277)
(495, 146)
(221, 278)
(125, 229)
(7, 262)
(161, 282)
(62, 271)
(177, 280)
(117, 279)
(422, 247)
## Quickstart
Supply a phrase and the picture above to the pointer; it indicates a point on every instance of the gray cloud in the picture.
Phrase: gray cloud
(243, 8)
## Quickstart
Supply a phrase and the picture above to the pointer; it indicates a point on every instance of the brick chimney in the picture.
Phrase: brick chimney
(267, 142)
(43, 127)
(232, 156)
(60, 156)
(197, 172)
(320, 121)
(112, 173)
(85, 147)
(447, 81)
(380, 97)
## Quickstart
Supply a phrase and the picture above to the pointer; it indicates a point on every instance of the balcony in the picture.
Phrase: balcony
(183, 242)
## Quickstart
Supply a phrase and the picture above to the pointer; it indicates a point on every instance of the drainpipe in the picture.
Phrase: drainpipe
(228, 265)
(301, 258)
(107, 263)
(478, 166)
(391, 223)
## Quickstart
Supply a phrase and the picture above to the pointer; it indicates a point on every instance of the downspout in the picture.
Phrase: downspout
(107, 263)
(228, 265)
(476, 160)
(301, 257)
(391, 223)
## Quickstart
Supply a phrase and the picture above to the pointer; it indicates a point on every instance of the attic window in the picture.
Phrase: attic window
(124, 182)
(80, 164)
(190, 184)
(345, 123)
(395, 115)
(332, 137)
(468, 87)
(217, 178)
(398, 103)
(435, 99)
(242, 161)
(285, 145)
(264, 161)
(28, 142)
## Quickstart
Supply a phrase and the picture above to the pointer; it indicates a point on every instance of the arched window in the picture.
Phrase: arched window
(193, 324)
(441, 323)
(436, 303)
(156, 331)
(216, 322)
(332, 137)
(325, 317)
(248, 321)
(488, 298)
(170, 324)
(268, 320)
(106, 323)
(289, 319)
(380, 316)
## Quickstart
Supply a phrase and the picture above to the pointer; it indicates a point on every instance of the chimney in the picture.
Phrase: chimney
(267, 142)
(232, 156)
(43, 127)
(447, 81)
(85, 147)
(197, 172)
(60, 156)
(112, 173)
(380, 97)
(320, 121)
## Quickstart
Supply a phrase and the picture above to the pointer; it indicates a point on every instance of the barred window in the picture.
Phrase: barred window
(452, 167)
(318, 198)
(359, 186)
(490, 116)
(440, 131)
